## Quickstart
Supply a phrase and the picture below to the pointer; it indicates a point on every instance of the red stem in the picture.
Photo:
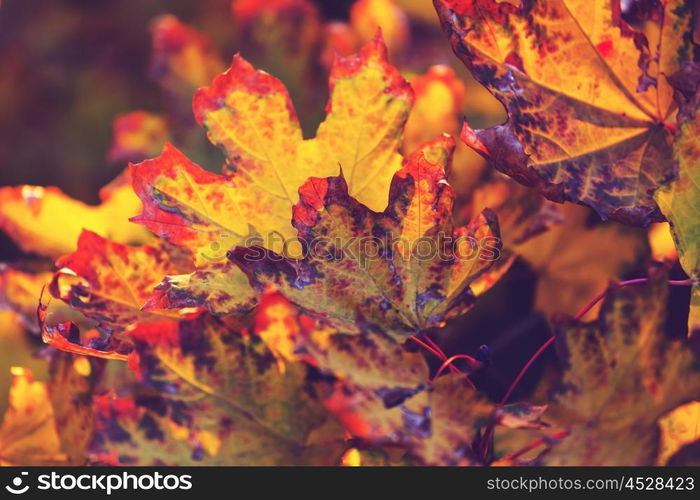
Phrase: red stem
(425, 346)
(430, 345)
(525, 368)
(433, 344)
(448, 362)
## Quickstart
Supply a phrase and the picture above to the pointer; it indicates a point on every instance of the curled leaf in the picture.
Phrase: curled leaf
(110, 282)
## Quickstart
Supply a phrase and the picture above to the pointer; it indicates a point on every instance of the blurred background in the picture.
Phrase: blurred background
(70, 68)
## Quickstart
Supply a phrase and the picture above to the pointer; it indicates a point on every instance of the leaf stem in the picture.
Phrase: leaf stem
(425, 346)
(473, 363)
(524, 369)
(430, 345)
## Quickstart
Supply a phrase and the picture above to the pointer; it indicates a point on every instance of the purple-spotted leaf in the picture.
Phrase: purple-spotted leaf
(588, 101)
(405, 269)
(381, 392)
(213, 396)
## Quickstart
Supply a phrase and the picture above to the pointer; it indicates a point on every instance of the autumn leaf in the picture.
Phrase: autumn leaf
(28, 434)
(48, 222)
(622, 376)
(405, 269)
(138, 135)
(588, 100)
(679, 201)
(438, 425)
(110, 282)
(373, 360)
(220, 286)
(216, 398)
(248, 113)
(382, 393)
